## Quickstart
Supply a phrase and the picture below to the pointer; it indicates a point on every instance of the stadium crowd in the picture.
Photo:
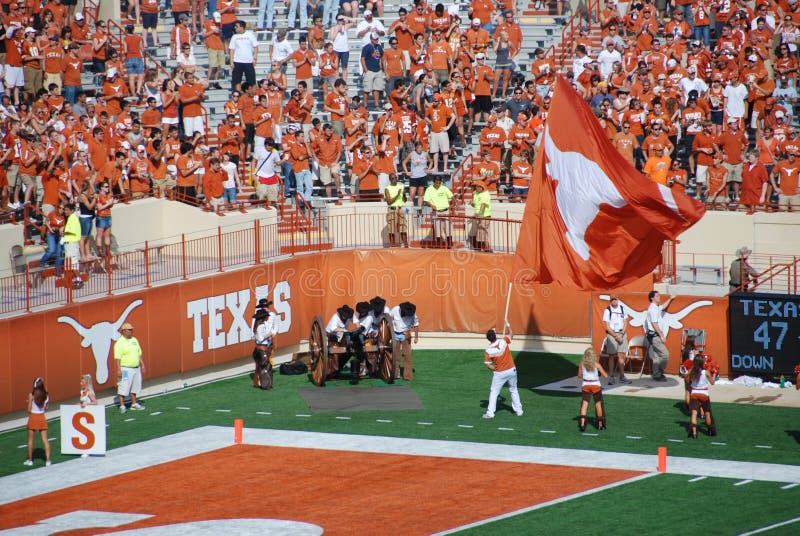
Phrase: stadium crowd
(699, 97)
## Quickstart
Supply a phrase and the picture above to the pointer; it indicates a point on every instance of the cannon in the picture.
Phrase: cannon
(328, 357)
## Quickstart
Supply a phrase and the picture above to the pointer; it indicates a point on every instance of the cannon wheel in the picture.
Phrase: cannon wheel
(386, 354)
(318, 349)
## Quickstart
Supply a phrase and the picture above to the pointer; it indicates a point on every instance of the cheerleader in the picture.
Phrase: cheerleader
(88, 398)
(699, 380)
(687, 361)
(589, 372)
(37, 405)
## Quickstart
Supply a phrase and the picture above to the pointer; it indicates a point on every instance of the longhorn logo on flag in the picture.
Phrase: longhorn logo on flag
(592, 221)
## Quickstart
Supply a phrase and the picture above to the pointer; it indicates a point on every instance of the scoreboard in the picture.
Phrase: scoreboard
(764, 333)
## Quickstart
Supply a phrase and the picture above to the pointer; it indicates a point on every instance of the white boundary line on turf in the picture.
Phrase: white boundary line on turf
(770, 527)
(208, 438)
(543, 505)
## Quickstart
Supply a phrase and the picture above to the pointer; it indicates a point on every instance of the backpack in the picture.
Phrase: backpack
(293, 368)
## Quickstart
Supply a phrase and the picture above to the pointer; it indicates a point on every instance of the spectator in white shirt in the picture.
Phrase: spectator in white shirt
(244, 55)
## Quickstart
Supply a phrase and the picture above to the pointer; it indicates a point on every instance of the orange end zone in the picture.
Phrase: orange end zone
(343, 492)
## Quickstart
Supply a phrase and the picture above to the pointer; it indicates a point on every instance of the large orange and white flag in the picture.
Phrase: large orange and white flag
(592, 221)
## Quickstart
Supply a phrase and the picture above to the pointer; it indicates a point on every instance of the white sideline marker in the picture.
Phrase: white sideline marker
(590, 434)
(633, 437)
(155, 413)
(131, 419)
(51, 438)
(697, 478)
(790, 486)
(506, 429)
(547, 431)
(716, 443)
(424, 423)
(222, 410)
(675, 440)
(302, 415)
(184, 408)
(770, 527)
(465, 426)
(763, 446)
(263, 413)
(383, 420)
(22, 446)
(742, 482)
(343, 418)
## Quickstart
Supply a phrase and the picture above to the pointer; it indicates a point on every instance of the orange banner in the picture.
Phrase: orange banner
(206, 321)
(685, 312)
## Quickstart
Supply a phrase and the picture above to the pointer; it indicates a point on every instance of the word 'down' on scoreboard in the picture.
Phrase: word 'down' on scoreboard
(764, 333)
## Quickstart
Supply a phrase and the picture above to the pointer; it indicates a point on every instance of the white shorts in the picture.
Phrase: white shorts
(700, 176)
(15, 76)
(194, 124)
(439, 142)
(131, 381)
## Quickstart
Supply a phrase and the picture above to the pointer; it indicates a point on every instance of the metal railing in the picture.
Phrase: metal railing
(778, 273)
(180, 257)
(779, 278)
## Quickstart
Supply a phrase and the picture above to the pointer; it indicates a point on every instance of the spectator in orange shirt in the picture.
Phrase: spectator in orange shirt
(440, 118)
(657, 166)
(213, 179)
(212, 33)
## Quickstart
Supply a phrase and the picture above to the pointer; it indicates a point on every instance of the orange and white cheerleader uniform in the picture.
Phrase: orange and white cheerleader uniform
(590, 387)
(36, 418)
(699, 396)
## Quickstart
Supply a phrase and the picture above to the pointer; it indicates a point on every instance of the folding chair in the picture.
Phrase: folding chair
(637, 351)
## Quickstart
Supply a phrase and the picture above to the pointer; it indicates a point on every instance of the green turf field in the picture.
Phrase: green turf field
(453, 387)
(663, 504)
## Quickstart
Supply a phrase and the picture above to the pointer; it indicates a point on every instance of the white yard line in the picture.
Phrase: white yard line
(544, 504)
(770, 527)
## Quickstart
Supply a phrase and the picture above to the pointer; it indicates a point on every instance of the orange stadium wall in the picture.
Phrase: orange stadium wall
(710, 314)
(205, 321)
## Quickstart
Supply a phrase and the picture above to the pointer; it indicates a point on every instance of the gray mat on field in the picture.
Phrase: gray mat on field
(322, 399)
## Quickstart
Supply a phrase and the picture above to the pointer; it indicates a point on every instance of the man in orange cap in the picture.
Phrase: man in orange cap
(440, 118)
(482, 203)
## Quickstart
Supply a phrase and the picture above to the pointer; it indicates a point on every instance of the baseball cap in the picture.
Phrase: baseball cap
(672, 63)
(492, 117)
(368, 13)
(112, 72)
(479, 183)
(732, 120)
(752, 57)
(79, 16)
(480, 56)
(374, 35)
(437, 97)
(387, 106)
(476, 21)
(183, 16)
(662, 76)
(779, 114)
(217, 16)
(29, 30)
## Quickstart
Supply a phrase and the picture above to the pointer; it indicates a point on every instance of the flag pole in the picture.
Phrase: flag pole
(508, 302)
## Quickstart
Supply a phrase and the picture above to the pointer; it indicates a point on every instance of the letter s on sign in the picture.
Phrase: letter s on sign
(78, 425)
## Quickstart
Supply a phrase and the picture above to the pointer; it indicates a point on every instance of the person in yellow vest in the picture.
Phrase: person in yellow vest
(395, 196)
(130, 368)
(439, 197)
(71, 240)
(482, 203)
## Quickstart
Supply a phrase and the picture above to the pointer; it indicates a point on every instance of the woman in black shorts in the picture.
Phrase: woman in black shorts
(416, 165)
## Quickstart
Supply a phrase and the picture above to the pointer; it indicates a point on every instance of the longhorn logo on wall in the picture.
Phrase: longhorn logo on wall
(668, 320)
(99, 337)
